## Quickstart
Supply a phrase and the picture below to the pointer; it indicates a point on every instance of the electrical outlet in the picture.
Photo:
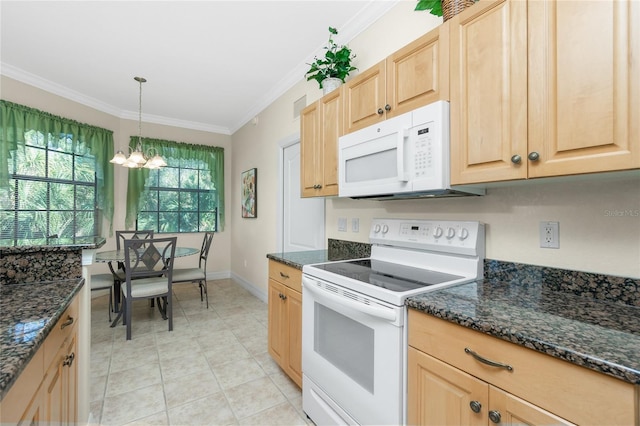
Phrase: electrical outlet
(550, 234)
(355, 225)
(342, 224)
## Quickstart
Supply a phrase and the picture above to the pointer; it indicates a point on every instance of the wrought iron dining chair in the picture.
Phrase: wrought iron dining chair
(148, 275)
(104, 282)
(199, 274)
(118, 272)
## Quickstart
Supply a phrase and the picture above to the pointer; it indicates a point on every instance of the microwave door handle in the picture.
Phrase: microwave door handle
(402, 175)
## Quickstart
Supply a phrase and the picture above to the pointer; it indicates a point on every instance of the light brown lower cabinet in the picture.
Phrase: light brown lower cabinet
(46, 392)
(447, 385)
(285, 318)
(440, 394)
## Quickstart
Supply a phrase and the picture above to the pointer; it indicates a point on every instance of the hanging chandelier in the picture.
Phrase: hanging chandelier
(137, 158)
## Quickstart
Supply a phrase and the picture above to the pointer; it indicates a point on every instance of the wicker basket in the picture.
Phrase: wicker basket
(451, 8)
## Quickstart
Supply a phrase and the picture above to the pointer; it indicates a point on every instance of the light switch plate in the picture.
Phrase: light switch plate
(355, 225)
(342, 224)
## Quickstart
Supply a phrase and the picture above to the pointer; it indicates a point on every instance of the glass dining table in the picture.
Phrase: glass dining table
(111, 256)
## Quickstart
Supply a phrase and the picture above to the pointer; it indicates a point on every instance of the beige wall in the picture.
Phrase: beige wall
(220, 258)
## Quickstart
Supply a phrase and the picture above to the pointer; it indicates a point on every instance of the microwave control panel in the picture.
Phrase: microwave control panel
(423, 150)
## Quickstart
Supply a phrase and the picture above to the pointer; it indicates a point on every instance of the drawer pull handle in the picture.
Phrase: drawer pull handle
(67, 323)
(488, 361)
(283, 275)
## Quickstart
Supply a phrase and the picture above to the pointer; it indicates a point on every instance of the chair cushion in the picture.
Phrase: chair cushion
(147, 287)
(188, 274)
(101, 281)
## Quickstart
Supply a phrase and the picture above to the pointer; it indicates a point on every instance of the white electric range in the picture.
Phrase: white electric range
(354, 337)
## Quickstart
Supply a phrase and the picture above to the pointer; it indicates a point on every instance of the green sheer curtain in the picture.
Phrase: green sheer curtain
(16, 120)
(212, 156)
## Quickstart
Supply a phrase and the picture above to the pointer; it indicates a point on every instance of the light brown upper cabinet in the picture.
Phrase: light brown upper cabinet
(544, 88)
(415, 75)
(320, 128)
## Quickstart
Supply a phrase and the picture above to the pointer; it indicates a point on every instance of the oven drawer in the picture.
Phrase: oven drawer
(575, 393)
(285, 274)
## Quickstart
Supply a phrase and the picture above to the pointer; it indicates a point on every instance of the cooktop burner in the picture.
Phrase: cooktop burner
(390, 276)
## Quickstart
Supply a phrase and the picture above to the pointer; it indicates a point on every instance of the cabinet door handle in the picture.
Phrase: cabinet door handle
(283, 275)
(488, 361)
(387, 107)
(475, 406)
(516, 159)
(533, 156)
(380, 111)
(69, 359)
(67, 323)
(494, 416)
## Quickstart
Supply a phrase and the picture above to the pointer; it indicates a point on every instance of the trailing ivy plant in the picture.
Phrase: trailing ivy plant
(336, 62)
(433, 6)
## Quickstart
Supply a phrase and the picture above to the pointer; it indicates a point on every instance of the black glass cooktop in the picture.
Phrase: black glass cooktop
(387, 275)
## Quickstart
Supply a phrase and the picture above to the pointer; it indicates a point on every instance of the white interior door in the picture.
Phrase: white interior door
(302, 218)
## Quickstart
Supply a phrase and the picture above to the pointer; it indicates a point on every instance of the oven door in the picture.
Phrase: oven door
(352, 356)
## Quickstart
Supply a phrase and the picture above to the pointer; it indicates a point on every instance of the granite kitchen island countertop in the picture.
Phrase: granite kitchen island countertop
(28, 312)
(596, 333)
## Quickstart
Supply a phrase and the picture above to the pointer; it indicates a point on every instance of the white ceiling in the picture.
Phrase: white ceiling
(209, 65)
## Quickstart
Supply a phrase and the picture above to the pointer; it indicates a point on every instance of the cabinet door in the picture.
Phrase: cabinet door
(584, 86)
(294, 332)
(310, 153)
(515, 411)
(439, 394)
(33, 416)
(365, 99)
(418, 74)
(331, 130)
(277, 315)
(53, 391)
(489, 92)
(70, 381)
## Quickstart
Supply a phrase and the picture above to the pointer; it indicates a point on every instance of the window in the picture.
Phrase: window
(53, 177)
(52, 191)
(185, 196)
(179, 199)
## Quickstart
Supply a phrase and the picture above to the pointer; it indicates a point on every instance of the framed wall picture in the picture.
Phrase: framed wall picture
(250, 193)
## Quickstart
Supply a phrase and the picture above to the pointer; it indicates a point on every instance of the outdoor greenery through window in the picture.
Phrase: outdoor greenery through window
(54, 179)
(179, 199)
(185, 196)
(52, 192)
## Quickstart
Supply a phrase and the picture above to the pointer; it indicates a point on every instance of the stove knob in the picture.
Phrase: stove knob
(376, 228)
(385, 229)
(450, 233)
(437, 233)
(464, 233)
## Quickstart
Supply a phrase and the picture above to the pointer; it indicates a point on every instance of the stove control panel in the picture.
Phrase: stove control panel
(451, 236)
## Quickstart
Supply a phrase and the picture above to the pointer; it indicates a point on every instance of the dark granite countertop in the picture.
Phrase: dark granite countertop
(53, 244)
(28, 312)
(595, 333)
(297, 259)
(338, 250)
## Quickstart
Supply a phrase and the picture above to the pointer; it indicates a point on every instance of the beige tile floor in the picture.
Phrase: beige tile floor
(212, 369)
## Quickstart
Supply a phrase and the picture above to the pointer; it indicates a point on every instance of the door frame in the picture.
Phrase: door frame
(284, 143)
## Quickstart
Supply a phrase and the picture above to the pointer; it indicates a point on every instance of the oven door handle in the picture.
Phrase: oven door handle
(383, 313)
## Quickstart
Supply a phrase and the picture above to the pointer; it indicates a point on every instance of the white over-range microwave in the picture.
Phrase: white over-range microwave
(403, 157)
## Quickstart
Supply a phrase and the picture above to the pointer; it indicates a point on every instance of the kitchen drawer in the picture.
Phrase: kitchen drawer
(285, 274)
(63, 328)
(575, 393)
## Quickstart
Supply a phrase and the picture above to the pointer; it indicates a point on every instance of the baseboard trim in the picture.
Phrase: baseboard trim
(250, 288)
